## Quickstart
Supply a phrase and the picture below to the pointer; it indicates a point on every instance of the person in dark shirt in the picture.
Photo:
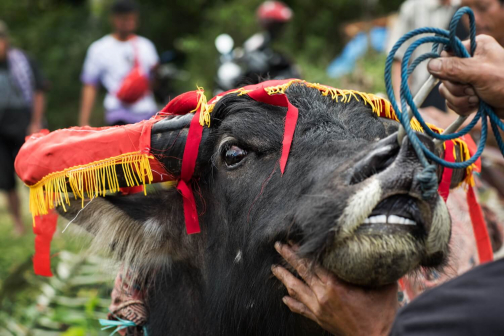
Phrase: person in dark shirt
(21, 111)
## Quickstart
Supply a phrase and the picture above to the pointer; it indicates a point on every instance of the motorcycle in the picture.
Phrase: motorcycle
(250, 64)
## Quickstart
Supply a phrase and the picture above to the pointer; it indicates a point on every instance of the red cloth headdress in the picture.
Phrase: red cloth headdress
(84, 159)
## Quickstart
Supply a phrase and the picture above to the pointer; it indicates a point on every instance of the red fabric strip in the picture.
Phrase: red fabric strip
(132, 190)
(483, 244)
(191, 148)
(188, 164)
(190, 211)
(471, 145)
(290, 126)
(290, 119)
(183, 103)
(444, 186)
(44, 229)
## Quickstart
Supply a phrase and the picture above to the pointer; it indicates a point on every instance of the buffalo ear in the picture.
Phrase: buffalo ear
(458, 175)
(138, 230)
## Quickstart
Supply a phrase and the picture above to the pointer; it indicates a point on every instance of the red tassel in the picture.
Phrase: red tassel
(188, 164)
(290, 119)
(290, 126)
(132, 190)
(444, 186)
(190, 211)
(44, 229)
(483, 243)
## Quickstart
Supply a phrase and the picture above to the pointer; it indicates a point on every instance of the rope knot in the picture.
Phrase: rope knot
(428, 181)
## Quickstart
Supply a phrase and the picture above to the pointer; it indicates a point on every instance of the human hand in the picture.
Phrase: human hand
(338, 307)
(464, 79)
(83, 123)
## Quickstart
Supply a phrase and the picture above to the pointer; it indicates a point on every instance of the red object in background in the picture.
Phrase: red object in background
(274, 11)
(136, 84)
(44, 228)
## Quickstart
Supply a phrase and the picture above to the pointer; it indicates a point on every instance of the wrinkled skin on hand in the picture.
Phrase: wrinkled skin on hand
(466, 80)
(338, 307)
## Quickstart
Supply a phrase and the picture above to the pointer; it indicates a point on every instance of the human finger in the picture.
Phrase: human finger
(459, 90)
(322, 273)
(464, 105)
(465, 43)
(295, 287)
(469, 112)
(299, 264)
(298, 307)
(460, 70)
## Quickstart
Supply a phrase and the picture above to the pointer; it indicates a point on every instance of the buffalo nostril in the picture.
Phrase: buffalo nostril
(373, 163)
(426, 140)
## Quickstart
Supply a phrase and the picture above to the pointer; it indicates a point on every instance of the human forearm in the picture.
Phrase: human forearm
(37, 112)
(396, 79)
(38, 107)
(87, 102)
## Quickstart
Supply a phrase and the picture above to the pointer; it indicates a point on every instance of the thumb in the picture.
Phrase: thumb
(454, 69)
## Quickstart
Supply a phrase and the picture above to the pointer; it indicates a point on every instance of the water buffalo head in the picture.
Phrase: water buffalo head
(349, 198)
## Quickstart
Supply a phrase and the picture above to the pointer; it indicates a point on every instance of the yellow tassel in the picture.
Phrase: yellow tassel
(92, 179)
(204, 118)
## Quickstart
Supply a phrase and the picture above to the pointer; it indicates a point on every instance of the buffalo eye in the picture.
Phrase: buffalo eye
(233, 155)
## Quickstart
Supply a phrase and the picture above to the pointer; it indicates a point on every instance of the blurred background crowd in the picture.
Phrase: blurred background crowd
(71, 62)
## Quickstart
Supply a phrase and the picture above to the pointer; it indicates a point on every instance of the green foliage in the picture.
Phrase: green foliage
(57, 33)
(63, 304)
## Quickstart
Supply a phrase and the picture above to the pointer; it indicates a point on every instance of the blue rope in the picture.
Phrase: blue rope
(120, 324)
(447, 38)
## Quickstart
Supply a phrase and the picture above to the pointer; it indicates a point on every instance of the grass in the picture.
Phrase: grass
(35, 305)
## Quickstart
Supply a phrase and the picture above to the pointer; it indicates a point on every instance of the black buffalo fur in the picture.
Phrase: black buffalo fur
(219, 282)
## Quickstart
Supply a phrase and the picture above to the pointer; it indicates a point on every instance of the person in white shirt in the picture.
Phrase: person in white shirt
(412, 15)
(110, 60)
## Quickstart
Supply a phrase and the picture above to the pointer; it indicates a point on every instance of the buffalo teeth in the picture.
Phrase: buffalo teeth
(400, 220)
(376, 219)
(393, 219)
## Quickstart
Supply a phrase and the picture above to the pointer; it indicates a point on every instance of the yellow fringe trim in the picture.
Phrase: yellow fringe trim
(380, 106)
(91, 180)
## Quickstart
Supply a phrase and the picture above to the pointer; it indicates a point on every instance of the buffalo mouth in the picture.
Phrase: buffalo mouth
(391, 240)
(398, 214)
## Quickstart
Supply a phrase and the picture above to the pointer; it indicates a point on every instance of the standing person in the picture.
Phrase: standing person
(412, 15)
(262, 60)
(122, 62)
(489, 17)
(22, 104)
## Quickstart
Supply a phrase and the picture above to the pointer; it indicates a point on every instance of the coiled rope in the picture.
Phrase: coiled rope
(448, 39)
